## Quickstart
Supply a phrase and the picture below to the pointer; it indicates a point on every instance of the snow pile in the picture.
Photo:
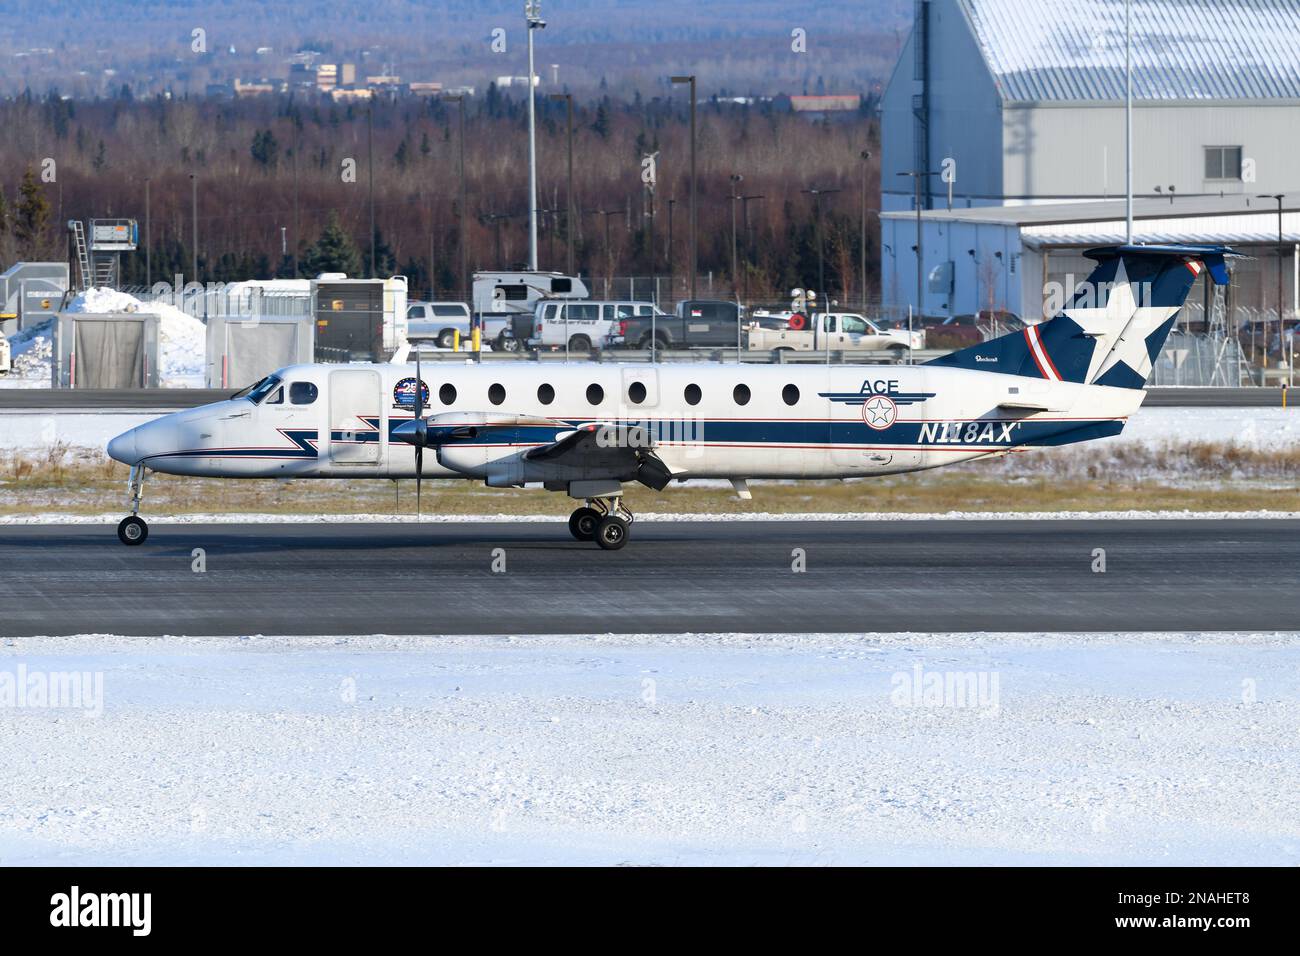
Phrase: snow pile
(813, 749)
(182, 341)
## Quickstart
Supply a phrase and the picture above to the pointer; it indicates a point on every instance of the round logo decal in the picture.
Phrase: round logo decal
(404, 394)
(879, 412)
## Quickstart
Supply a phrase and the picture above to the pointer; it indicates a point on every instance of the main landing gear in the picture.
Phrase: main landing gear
(132, 530)
(603, 520)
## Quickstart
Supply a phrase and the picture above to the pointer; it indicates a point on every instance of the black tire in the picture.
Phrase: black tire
(658, 342)
(446, 338)
(611, 533)
(899, 351)
(579, 343)
(506, 343)
(583, 523)
(132, 530)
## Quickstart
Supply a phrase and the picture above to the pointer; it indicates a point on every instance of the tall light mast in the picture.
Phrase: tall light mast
(533, 14)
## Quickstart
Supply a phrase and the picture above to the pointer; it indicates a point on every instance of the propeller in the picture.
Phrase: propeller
(417, 407)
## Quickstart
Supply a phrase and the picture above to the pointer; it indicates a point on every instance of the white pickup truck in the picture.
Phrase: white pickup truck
(438, 322)
(850, 331)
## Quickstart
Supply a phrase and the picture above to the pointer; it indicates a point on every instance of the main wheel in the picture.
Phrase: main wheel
(132, 530)
(611, 533)
(583, 522)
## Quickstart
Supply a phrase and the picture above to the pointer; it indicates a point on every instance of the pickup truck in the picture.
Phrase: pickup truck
(849, 331)
(696, 323)
(438, 322)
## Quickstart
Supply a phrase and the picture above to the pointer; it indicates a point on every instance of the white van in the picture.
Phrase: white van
(586, 325)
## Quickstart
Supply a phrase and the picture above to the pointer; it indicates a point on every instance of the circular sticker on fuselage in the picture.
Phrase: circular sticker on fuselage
(879, 412)
(404, 394)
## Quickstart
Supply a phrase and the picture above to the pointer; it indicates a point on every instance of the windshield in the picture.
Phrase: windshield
(258, 391)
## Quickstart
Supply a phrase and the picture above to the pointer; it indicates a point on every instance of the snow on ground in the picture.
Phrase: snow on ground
(182, 345)
(669, 749)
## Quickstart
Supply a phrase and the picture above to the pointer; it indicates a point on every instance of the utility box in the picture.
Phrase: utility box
(106, 350)
(243, 350)
(43, 280)
(359, 320)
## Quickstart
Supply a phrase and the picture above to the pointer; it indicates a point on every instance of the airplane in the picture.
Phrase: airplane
(589, 429)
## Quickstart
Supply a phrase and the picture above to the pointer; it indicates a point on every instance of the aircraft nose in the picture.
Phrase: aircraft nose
(123, 448)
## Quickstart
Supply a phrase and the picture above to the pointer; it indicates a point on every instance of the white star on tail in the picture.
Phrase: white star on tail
(1120, 328)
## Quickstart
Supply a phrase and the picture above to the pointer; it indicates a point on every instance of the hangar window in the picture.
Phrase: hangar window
(497, 394)
(692, 394)
(595, 394)
(636, 393)
(1223, 162)
(302, 393)
(447, 394)
(790, 394)
(545, 394)
(741, 394)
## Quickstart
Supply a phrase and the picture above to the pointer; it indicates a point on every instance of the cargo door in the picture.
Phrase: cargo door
(355, 416)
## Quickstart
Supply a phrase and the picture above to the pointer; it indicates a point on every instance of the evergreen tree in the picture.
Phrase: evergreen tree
(31, 215)
(265, 149)
(334, 251)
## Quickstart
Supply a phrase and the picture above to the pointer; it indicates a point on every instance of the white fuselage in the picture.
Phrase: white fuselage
(796, 421)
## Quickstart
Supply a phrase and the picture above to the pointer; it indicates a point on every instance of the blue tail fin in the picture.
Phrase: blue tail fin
(1112, 329)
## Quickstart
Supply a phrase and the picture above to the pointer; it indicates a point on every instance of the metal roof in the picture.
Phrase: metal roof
(1073, 50)
(1226, 219)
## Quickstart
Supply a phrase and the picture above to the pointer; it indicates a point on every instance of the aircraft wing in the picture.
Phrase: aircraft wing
(613, 448)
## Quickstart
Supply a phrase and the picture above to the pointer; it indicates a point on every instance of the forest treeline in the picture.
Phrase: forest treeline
(270, 173)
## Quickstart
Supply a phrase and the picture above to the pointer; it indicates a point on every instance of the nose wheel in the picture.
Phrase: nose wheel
(603, 520)
(132, 529)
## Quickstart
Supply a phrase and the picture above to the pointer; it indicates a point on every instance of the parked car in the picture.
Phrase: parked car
(583, 326)
(438, 322)
(960, 331)
(696, 323)
(829, 330)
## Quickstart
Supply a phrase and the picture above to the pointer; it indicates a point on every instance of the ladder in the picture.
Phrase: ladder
(83, 255)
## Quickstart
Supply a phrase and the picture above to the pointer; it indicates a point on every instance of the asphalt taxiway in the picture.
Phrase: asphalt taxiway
(450, 578)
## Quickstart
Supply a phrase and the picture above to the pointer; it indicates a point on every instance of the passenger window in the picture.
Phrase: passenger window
(644, 310)
(302, 393)
(607, 313)
(741, 394)
(447, 394)
(636, 393)
(545, 394)
(595, 394)
(693, 395)
(790, 394)
(854, 325)
(626, 311)
(552, 312)
(497, 394)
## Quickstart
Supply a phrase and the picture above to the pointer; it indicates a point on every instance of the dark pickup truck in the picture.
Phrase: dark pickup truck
(696, 323)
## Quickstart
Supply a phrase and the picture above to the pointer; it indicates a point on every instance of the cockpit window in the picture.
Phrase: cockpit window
(302, 393)
(257, 393)
(277, 397)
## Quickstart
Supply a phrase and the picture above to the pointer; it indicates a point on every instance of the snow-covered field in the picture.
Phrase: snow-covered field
(674, 749)
(182, 342)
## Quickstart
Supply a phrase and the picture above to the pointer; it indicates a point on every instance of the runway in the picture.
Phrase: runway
(997, 575)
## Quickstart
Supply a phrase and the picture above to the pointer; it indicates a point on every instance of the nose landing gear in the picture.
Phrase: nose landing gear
(603, 520)
(132, 529)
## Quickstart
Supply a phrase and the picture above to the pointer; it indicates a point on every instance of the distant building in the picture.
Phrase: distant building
(352, 95)
(256, 87)
(424, 89)
(507, 81)
(1027, 97)
(831, 103)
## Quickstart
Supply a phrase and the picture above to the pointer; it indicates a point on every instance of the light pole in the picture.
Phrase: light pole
(148, 240)
(920, 259)
(691, 244)
(866, 163)
(749, 242)
(672, 265)
(568, 201)
(1281, 325)
(194, 226)
(370, 174)
(736, 179)
(817, 195)
(533, 14)
(467, 288)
